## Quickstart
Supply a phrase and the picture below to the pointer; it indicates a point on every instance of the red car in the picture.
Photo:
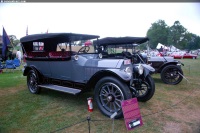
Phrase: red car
(189, 56)
(177, 55)
(183, 56)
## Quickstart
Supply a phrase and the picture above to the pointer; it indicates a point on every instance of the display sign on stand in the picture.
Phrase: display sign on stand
(131, 113)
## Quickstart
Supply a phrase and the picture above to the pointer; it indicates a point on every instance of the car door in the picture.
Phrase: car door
(61, 68)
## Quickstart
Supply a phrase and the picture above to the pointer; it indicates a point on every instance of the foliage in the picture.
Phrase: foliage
(176, 35)
(14, 40)
(158, 33)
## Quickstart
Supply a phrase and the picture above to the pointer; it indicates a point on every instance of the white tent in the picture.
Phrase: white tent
(159, 46)
(174, 49)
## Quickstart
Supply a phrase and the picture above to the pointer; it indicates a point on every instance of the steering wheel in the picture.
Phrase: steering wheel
(127, 54)
(84, 49)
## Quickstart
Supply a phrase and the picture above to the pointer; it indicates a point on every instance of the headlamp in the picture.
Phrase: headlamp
(140, 69)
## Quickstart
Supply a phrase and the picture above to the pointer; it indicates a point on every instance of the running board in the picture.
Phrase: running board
(61, 88)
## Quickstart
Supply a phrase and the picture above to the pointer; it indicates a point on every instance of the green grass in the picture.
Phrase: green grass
(22, 111)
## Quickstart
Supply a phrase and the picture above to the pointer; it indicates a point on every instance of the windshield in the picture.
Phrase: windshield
(76, 46)
(114, 49)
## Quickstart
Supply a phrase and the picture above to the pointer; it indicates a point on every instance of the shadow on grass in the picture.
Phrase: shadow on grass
(158, 80)
(81, 98)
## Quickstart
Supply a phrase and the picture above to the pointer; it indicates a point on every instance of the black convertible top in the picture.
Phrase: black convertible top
(120, 40)
(57, 37)
(51, 40)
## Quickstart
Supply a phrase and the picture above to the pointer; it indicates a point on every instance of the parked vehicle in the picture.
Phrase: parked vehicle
(176, 55)
(179, 55)
(169, 69)
(117, 48)
(189, 56)
(62, 67)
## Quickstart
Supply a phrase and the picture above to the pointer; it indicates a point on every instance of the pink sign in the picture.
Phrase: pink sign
(131, 113)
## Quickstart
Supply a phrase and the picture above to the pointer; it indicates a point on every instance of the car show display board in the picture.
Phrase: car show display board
(131, 113)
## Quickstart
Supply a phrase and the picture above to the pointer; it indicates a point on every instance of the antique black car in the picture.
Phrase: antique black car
(53, 62)
(169, 69)
(117, 48)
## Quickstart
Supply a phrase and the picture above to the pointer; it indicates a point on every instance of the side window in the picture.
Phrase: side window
(38, 46)
(62, 47)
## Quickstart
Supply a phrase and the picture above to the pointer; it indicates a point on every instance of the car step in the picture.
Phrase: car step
(61, 88)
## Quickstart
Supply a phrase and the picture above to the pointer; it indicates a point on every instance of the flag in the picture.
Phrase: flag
(6, 42)
(27, 30)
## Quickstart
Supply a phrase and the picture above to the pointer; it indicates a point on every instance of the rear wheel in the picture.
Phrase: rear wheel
(108, 93)
(171, 74)
(32, 82)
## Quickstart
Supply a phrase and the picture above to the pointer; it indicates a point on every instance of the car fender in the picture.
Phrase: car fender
(166, 64)
(147, 69)
(120, 74)
(28, 68)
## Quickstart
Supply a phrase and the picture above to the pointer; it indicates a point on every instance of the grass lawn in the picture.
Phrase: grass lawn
(173, 108)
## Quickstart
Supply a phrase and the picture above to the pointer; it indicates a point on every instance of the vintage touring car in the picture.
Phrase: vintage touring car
(169, 69)
(53, 62)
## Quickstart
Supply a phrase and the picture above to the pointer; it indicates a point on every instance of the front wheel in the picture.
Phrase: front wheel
(145, 89)
(171, 74)
(32, 82)
(108, 93)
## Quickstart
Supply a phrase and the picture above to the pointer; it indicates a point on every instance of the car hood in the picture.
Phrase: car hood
(161, 59)
(110, 63)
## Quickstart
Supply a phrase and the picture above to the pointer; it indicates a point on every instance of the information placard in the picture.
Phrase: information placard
(131, 113)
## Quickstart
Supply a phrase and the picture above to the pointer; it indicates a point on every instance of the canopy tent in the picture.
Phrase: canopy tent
(163, 46)
(173, 49)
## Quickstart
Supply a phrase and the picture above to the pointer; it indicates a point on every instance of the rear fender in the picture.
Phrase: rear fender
(28, 68)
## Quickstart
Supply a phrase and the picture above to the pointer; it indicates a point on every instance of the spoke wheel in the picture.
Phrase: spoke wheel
(146, 89)
(171, 75)
(109, 92)
(32, 82)
(111, 97)
(143, 89)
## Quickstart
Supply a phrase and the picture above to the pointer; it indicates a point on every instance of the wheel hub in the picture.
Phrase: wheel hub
(110, 98)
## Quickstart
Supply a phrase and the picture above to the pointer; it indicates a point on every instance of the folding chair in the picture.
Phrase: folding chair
(16, 62)
(10, 65)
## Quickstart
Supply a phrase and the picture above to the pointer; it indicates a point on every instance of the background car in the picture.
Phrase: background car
(177, 55)
(183, 55)
(121, 48)
(189, 56)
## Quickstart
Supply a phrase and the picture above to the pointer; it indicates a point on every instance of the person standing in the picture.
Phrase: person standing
(19, 55)
(161, 49)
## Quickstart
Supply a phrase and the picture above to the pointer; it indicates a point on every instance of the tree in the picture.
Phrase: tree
(14, 41)
(178, 35)
(194, 43)
(158, 33)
